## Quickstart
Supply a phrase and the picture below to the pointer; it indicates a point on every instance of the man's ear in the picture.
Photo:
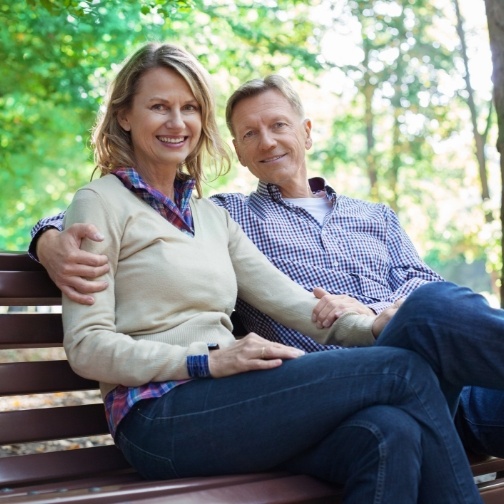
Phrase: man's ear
(237, 150)
(307, 127)
(122, 119)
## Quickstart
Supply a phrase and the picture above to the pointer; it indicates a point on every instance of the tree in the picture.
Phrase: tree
(495, 17)
(58, 56)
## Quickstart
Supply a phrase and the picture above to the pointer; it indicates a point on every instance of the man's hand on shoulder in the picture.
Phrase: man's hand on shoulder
(73, 270)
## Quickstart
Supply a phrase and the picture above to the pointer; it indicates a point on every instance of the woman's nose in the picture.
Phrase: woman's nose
(174, 119)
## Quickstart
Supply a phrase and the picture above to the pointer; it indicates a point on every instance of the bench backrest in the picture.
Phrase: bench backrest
(24, 283)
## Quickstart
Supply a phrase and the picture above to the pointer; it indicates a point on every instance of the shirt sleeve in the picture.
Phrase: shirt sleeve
(272, 292)
(54, 222)
(407, 271)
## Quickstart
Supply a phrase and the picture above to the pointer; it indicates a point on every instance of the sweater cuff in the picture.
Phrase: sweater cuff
(354, 329)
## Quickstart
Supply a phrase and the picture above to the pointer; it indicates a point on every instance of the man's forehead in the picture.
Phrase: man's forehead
(263, 107)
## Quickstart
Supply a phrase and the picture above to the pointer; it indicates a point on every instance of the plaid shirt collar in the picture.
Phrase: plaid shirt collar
(176, 212)
(316, 184)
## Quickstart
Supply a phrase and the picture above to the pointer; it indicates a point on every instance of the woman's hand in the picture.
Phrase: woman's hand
(332, 306)
(250, 353)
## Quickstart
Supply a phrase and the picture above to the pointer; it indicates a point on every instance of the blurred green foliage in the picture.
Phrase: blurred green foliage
(387, 99)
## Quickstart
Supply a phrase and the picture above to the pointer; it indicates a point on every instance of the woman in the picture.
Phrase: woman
(182, 396)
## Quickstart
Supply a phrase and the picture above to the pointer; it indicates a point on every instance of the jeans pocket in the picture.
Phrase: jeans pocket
(148, 465)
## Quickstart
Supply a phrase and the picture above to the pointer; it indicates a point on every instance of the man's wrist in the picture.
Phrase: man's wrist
(32, 249)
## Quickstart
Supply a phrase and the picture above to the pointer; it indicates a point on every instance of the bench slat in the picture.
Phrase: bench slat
(45, 424)
(18, 261)
(280, 488)
(61, 465)
(40, 377)
(25, 288)
(33, 330)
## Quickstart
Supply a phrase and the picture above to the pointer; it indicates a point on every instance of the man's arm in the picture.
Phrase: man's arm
(407, 270)
(70, 268)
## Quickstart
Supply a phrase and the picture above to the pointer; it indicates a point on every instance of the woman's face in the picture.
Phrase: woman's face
(164, 120)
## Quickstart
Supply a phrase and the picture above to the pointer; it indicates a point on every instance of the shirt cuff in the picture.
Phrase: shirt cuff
(32, 249)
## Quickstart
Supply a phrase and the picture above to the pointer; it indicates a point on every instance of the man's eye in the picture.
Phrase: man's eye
(248, 134)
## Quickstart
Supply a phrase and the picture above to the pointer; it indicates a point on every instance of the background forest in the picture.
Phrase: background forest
(399, 91)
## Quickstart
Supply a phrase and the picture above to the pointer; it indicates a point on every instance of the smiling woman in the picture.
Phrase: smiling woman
(164, 122)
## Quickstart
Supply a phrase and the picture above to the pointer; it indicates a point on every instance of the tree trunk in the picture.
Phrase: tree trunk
(479, 138)
(495, 19)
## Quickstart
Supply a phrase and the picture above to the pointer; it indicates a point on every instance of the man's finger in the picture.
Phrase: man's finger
(77, 297)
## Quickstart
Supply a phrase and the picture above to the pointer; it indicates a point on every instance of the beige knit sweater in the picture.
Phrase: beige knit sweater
(170, 294)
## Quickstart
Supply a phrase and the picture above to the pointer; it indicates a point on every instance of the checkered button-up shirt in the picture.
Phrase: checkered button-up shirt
(360, 250)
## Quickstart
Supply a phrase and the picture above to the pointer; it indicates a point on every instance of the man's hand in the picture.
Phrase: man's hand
(384, 317)
(69, 267)
(332, 306)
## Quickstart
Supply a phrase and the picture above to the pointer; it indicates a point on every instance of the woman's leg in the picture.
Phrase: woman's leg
(257, 421)
(368, 452)
(480, 420)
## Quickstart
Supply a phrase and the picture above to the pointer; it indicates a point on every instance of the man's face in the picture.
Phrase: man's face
(271, 139)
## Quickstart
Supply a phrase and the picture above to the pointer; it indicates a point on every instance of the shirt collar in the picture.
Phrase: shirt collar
(133, 180)
(177, 212)
(316, 184)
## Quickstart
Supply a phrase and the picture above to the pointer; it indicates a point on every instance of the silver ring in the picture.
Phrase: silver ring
(262, 352)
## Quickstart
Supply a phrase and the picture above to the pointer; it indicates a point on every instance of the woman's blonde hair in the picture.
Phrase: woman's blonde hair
(112, 145)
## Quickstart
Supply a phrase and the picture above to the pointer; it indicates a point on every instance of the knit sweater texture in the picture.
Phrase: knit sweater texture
(170, 294)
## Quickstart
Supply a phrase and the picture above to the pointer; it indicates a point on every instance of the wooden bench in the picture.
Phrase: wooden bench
(100, 473)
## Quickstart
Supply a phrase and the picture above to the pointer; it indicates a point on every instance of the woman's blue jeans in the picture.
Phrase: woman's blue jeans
(373, 419)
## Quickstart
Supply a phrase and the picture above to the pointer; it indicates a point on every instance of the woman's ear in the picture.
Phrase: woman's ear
(122, 119)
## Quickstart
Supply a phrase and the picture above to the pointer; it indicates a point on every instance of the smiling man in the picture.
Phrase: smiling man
(354, 249)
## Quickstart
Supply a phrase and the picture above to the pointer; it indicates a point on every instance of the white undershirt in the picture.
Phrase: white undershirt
(318, 206)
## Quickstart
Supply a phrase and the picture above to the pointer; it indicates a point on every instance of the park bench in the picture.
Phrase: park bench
(99, 473)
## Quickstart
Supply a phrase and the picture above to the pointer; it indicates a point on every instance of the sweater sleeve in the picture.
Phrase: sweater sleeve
(269, 290)
(95, 349)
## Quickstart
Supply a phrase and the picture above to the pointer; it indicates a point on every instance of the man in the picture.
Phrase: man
(356, 250)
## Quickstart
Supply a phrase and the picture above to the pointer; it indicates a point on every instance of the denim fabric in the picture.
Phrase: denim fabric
(364, 418)
(480, 420)
(456, 331)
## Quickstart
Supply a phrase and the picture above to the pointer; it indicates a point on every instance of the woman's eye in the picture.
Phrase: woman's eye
(158, 107)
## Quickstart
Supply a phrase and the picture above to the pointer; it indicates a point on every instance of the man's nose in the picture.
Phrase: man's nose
(267, 141)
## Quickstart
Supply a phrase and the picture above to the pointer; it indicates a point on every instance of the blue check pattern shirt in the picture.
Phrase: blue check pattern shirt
(360, 250)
